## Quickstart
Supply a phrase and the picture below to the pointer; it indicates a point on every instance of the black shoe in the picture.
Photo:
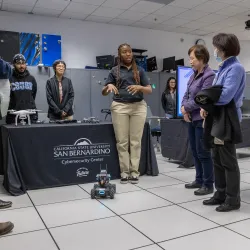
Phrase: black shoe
(193, 185)
(124, 180)
(204, 191)
(5, 228)
(212, 202)
(134, 180)
(5, 204)
(225, 207)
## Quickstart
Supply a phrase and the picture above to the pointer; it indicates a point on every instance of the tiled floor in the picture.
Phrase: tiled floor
(158, 213)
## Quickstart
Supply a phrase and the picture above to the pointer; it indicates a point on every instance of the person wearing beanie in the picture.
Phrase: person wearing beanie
(23, 89)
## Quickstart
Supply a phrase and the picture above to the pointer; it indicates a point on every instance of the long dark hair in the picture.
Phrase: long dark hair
(167, 89)
(134, 67)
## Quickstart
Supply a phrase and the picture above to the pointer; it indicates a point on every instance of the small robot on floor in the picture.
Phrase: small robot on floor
(103, 189)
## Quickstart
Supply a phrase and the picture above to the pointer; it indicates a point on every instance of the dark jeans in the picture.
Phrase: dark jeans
(227, 174)
(202, 158)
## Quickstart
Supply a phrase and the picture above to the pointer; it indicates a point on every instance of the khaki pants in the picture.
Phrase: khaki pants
(68, 118)
(128, 121)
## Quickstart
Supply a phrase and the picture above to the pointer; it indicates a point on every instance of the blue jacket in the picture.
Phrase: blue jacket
(5, 70)
(231, 75)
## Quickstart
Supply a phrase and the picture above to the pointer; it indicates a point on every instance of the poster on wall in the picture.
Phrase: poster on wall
(9, 45)
(51, 49)
(30, 48)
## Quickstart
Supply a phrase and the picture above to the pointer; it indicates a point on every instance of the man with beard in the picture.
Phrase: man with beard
(23, 89)
(5, 73)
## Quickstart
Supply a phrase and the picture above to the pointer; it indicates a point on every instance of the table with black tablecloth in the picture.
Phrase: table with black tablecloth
(175, 143)
(51, 155)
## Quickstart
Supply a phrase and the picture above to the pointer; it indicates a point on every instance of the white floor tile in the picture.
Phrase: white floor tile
(245, 177)
(157, 181)
(176, 194)
(245, 165)
(220, 218)
(167, 167)
(58, 194)
(245, 196)
(167, 223)
(216, 239)
(120, 188)
(186, 176)
(65, 213)
(106, 234)
(243, 170)
(133, 202)
(17, 201)
(244, 186)
(24, 219)
(241, 228)
(39, 240)
(152, 247)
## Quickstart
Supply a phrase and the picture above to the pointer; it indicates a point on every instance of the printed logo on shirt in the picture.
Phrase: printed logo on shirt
(15, 86)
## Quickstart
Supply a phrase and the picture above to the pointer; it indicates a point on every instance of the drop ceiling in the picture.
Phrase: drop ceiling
(196, 17)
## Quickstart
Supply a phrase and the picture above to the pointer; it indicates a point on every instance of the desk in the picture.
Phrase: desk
(51, 155)
(175, 143)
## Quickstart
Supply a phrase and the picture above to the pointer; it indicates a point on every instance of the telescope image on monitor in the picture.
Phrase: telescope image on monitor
(105, 62)
(151, 64)
(183, 75)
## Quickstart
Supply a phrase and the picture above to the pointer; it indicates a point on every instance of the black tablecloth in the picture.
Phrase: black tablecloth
(49, 155)
(175, 143)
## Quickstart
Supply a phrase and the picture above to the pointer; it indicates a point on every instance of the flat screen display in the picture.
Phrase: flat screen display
(183, 75)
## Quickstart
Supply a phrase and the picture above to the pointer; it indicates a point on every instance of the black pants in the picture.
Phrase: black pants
(227, 173)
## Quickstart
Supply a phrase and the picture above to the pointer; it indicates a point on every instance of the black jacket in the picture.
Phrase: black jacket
(22, 94)
(168, 103)
(52, 91)
(222, 122)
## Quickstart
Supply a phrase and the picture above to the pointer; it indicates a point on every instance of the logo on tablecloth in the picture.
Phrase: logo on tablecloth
(82, 172)
(82, 150)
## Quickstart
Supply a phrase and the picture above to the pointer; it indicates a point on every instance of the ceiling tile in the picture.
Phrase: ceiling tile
(192, 14)
(231, 11)
(132, 15)
(146, 7)
(199, 32)
(213, 27)
(170, 11)
(94, 2)
(16, 8)
(234, 29)
(81, 7)
(175, 22)
(194, 25)
(244, 3)
(98, 19)
(182, 30)
(144, 25)
(73, 15)
(242, 16)
(231, 21)
(154, 19)
(107, 12)
(189, 4)
(46, 12)
(52, 4)
(21, 2)
(211, 18)
(120, 4)
(211, 7)
(121, 21)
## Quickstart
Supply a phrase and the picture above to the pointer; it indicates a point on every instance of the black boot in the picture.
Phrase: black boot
(212, 202)
(193, 185)
(5, 204)
(225, 207)
(204, 191)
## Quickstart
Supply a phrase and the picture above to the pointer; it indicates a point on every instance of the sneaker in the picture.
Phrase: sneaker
(134, 180)
(124, 180)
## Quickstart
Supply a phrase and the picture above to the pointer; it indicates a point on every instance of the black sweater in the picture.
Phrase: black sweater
(222, 122)
(52, 91)
(22, 94)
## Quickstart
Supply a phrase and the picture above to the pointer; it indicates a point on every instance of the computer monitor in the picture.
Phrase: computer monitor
(183, 75)
(105, 62)
(245, 109)
(169, 64)
(179, 62)
(151, 64)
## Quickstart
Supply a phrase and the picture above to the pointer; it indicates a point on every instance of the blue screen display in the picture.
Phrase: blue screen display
(183, 76)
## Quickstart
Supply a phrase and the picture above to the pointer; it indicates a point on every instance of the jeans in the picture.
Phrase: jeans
(202, 158)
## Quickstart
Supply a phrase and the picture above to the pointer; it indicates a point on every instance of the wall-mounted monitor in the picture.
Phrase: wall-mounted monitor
(179, 62)
(183, 75)
(169, 64)
(151, 64)
(105, 62)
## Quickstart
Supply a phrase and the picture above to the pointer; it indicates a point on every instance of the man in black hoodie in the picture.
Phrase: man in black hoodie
(23, 89)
